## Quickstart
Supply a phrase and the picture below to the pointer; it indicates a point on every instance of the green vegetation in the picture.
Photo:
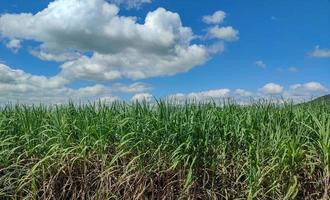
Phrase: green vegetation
(165, 151)
(325, 98)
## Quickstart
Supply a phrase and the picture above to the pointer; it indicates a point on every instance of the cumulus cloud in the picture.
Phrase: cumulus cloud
(19, 86)
(19, 81)
(243, 93)
(228, 33)
(309, 88)
(130, 3)
(133, 88)
(55, 56)
(93, 91)
(204, 96)
(142, 97)
(320, 53)
(296, 93)
(134, 64)
(210, 94)
(115, 47)
(218, 96)
(109, 99)
(121, 47)
(260, 63)
(14, 45)
(215, 48)
(216, 18)
(272, 89)
(93, 42)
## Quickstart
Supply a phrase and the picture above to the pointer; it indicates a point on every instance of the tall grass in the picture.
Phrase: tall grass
(165, 151)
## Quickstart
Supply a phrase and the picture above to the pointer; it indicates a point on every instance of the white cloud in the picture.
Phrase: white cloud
(297, 93)
(305, 91)
(216, 18)
(228, 33)
(133, 88)
(177, 97)
(271, 88)
(260, 63)
(131, 3)
(93, 91)
(243, 93)
(215, 48)
(210, 94)
(218, 96)
(204, 96)
(19, 81)
(113, 48)
(55, 56)
(134, 64)
(17, 85)
(320, 53)
(141, 97)
(109, 99)
(309, 88)
(14, 45)
(120, 46)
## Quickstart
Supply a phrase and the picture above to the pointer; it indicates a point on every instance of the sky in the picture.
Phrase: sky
(85, 50)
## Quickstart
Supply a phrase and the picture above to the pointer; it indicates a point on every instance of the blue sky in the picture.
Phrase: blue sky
(264, 48)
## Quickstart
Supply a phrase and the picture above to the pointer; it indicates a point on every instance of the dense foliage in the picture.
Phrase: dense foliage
(165, 151)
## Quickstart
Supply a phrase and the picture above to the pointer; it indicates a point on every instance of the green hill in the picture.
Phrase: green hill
(325, 98)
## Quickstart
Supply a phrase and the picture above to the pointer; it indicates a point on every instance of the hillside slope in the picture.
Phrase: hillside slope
(325, 98)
